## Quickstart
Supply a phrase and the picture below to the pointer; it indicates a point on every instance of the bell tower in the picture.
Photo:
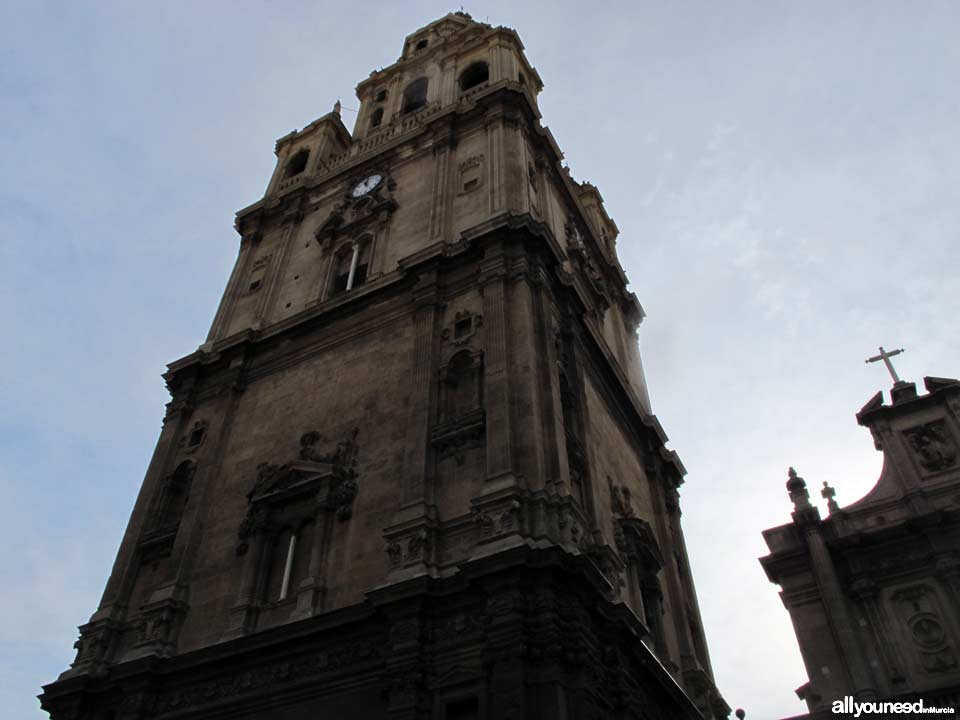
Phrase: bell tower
(412, 472)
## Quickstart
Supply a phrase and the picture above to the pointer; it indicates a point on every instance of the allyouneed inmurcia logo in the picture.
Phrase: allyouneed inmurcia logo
(848, 706)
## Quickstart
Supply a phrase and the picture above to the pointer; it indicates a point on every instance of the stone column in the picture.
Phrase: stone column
(838, 614)
(867, 593)
(267, 296)
(551, 416)
(120, 583)
(495, 363)
(443, 143)
(206, 483)
(222, 319)
(668, 501)
(242, 614)
(312, 588)
(422, 389)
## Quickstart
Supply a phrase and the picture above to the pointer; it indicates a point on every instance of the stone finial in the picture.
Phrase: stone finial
(797, 488)
(336, 107)
(740, 714)
(829, 493)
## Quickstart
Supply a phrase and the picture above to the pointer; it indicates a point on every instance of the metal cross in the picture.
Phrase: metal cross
(885, 356)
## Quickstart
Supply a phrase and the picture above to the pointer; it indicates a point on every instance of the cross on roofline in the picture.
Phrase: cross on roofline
(885, 356)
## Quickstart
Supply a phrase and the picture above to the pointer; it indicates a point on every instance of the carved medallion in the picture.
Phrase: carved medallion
(933, 446)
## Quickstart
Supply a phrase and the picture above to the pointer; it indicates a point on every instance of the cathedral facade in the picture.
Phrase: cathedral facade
(413, 471)
(873, 589)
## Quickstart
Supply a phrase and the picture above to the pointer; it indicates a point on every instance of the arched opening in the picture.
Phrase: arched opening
(175, 496)
(415, 95)
(376, 118)
(298, 163)
(462, 390)
(422, 44)
(380, 96)
(475, 74)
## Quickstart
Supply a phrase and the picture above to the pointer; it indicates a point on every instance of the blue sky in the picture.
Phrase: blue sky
(786, 179)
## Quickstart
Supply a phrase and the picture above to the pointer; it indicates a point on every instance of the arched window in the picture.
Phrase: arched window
(175, 496)
(415, 95)
(376, 118)
(380, 96)
(475, 74)
(298, 163)
(350, 266)
(422, 44)
(462, 386)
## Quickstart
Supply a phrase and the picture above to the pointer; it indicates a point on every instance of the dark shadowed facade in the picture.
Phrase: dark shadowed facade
(873, 590)
(413, 471)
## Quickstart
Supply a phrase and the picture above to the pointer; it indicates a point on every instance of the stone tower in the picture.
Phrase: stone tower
(412, 472)
(873, 589)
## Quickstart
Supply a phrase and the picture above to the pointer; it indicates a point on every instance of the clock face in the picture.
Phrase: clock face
(366, 185)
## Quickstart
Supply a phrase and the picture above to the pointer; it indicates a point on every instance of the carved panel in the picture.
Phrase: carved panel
(257, 273)
(471, 174)
(932, 445)
(919, 611)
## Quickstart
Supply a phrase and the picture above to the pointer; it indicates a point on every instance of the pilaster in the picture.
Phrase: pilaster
(838, 614)
(423, 362)
(496, 371)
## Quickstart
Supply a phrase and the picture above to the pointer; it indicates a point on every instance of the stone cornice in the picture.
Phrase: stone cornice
(938, 389)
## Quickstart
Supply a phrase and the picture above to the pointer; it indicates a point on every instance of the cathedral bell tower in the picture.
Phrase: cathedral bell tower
(412, 472)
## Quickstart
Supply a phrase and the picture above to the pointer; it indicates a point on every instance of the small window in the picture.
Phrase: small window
(351, 265)
(521, 79)
(376, 118)
(475, 74)
(298, 163)
(196, 437)
(471, 184)
(415, 96)
(462, 328)
(175, 495)
(380, 96)
(254, 286)
(422, 43)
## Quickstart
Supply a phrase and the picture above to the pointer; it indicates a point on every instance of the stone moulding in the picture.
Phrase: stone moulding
(492, 628)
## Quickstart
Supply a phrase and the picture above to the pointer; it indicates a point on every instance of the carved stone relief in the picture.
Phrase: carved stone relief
(330, 478)
(354, 215)
(932, 445)
(464, 328)
(257, 273)
(919, 610)
(471, 174)
(409, 548)
(620, 502)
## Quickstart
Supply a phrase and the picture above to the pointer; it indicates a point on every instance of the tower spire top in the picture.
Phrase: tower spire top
(885, 356)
